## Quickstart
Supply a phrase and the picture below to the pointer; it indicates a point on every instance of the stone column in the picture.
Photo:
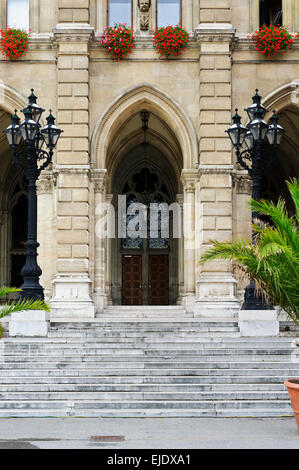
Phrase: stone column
(242, 190)
(72, 285)
(108, 253)
(46, 230)
(216, 286)
(99, 179)
(180, 201)
(189, 178)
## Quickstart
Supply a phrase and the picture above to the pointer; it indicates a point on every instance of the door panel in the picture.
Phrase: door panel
(158, 280)
(131, 280)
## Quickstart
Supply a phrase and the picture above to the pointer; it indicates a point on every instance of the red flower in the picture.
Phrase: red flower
(170, 40)
(13, 42)
(118, 41)
(272, 39)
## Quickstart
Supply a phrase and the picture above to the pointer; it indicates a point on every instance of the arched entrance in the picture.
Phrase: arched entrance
(13, 214)
(144, 256)
(285, 163)
(117, 154)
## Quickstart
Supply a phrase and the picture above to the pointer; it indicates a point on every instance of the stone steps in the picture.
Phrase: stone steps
(110, 396)
(69, 411)
(222, 362)
(111, 372)
(146, 368)
(239, 382)
(131, 387)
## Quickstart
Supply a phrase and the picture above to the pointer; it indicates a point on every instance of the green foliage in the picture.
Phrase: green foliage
(272, 259)
(20, 305)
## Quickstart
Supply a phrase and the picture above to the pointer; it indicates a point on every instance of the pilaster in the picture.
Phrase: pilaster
(72, 285)
(101, 214)
(216, 286)
(189, 178)
(46, 229)
(76, 11)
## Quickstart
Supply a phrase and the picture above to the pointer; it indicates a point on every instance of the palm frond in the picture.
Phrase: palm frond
(271, 259)
(293, 186)
(8, 290)
(23, 305)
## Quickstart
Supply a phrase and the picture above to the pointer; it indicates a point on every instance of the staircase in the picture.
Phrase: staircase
(139, 368)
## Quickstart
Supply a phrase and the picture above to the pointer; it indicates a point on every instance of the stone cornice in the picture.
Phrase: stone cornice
(214, 32)
(215, 169)
(245, 43)
(75, 32)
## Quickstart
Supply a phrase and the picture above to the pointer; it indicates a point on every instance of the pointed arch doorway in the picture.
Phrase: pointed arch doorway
(144, 255)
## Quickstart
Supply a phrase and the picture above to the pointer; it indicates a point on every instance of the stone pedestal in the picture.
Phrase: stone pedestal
(72, 298)
(254, 323)
(29, 324)
(216, 297)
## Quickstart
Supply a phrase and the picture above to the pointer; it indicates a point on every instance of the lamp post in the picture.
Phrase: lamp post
(253, 136)
(26, 141)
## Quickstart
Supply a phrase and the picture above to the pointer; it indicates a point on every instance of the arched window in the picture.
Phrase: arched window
(270, 12)
(119, 11)
(168, 12)
(18, 13)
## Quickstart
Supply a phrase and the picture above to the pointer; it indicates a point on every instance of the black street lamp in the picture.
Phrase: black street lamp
(26, 141)
(254, 137)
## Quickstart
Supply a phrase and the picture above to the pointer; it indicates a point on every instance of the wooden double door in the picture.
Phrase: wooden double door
(145, 279)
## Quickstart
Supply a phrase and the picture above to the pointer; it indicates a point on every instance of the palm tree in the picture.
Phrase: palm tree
(20, 305)
(271, 259)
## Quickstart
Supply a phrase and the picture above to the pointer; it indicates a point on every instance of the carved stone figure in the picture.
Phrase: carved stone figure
(144, 6)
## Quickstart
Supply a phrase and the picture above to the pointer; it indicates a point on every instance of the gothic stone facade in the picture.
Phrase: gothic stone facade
(98, 102)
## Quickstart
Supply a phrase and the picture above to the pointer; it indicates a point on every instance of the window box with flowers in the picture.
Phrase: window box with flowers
(13, 42)
(118, 41)
(272, 40)
(170, 40)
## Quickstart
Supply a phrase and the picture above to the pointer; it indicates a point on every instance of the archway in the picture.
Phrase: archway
(144, 183)
(115, 143)
(13, 213)
(285, 163)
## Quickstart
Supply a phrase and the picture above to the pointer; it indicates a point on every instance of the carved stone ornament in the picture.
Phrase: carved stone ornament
(243, 184)
(144, 7)
(45, 183)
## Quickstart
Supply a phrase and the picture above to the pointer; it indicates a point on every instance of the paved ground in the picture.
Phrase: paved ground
(149, 433)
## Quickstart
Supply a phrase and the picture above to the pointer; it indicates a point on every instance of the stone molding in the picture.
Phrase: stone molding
(215, 169)
(149, 96)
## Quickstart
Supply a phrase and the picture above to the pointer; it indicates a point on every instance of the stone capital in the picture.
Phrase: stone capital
(99, 179)
(242, 183)
(46, 183)
(189, 179)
